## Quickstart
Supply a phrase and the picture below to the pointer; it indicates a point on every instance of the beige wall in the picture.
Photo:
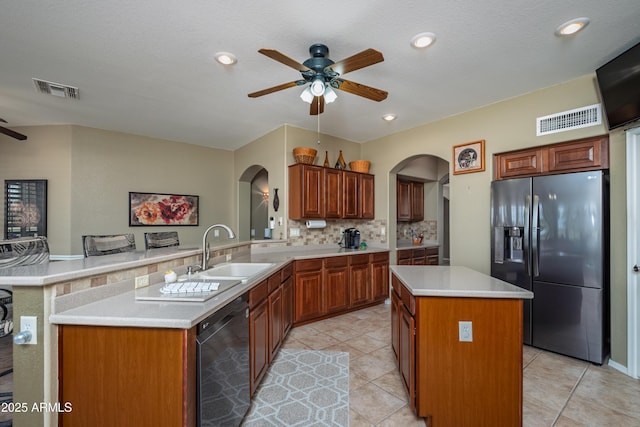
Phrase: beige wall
(505, 126)
(45, 154)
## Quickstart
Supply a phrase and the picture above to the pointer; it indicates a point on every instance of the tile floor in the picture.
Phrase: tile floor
(558, 390)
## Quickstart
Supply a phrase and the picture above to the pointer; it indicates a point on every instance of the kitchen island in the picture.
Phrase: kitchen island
(457, 337)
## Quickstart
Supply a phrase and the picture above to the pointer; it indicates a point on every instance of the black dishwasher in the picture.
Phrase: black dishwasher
(223, 365)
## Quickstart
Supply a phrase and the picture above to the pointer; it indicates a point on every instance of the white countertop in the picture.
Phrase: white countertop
(445, 281)
(124, 310)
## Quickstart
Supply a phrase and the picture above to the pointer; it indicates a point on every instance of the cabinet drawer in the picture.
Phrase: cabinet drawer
(308, 265)
(380, 257)
(274, 282)
(431, 251)
(417, 253)
(396, 285)
(336, 261)
(404, 254)
(408, 300)
(359, 259)
(258, 293)
(286, 272)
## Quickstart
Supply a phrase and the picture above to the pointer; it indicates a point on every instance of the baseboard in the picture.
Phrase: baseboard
(617, 366)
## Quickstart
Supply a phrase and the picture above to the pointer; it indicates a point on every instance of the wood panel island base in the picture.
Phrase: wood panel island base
(457, 338)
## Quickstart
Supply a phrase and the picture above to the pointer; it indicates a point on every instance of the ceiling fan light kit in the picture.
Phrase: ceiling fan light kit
(324, 76)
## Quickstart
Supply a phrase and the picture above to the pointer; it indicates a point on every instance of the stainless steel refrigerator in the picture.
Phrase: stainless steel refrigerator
(550, 235)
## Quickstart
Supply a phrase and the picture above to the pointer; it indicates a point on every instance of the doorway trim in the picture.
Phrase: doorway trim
(633, 257)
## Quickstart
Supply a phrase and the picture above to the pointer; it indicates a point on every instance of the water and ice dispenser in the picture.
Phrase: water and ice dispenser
(508, 244)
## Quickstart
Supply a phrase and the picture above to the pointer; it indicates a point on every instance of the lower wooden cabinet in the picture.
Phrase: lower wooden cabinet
(125, 376)
(407, 352)
(258, 343)
(334, 285)
(418, 256)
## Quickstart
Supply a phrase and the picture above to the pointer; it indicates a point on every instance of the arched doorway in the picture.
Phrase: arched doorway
(253, 203)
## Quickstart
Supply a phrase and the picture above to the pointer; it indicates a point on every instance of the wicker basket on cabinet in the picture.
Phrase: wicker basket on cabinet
(304, 155)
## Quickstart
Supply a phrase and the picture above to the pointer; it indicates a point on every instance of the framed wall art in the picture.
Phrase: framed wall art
(468, 157)
(25, 202)
(162, 209)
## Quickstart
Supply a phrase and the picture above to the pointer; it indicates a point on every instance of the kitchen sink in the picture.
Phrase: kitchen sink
(235, 270)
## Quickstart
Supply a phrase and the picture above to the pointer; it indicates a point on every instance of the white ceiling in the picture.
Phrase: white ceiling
(146, 67)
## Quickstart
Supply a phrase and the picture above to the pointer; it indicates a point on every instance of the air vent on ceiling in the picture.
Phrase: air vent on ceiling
(567, 120)
(56, 89)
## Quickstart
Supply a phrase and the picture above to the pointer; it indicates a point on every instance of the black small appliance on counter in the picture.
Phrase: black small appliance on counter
(350, 239)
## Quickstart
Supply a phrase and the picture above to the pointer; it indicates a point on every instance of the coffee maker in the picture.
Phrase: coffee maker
(350, 238)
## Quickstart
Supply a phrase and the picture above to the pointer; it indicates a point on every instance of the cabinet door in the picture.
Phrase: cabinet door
(351, 192)
(333, 193)
(380, 276)
(259, 343)
(404, 201)
(432, 256)
(275, 322)
(308, 290)
(359, 280)
(417, 201)
(407, 357)
(368, 199)
(520, 163)
(336, 283)
(586, 154)
(287, 306)
(306, 195)
(395, 326)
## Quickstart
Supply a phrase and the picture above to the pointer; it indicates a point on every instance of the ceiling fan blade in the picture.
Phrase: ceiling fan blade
(276, 88)
(317, 105)
(357, 61)
(284, 59)
(12, 133)
(359, 89)
(2, 120)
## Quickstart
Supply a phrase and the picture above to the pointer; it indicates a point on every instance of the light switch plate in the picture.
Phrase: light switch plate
(465, 331)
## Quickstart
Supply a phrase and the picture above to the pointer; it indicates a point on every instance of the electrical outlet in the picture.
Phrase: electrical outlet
(465, 331)
(383, 231)
(142, 281)
(30, 323)
(228, 258)
(294, 232)
(216, 233)
(341, 230)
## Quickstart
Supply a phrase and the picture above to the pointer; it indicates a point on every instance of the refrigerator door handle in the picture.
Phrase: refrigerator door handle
(535, 248)
(527, 208)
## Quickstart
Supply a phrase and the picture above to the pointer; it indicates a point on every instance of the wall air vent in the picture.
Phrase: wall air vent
(56, 89)
(568, 120)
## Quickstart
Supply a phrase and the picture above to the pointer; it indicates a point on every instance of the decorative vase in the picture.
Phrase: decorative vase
(326, 159)
(340, 163)
(276, 200)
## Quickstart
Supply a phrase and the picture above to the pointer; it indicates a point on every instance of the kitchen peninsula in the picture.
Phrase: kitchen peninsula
(99, 292)
(457, 338)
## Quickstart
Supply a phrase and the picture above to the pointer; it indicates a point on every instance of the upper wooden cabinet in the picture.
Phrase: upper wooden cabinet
(319, 192)
(410, 200)
(573, 156)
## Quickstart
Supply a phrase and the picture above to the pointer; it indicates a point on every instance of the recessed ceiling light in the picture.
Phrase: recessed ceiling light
(422, 40)
(389, 117)
(572, 27)
(226, 58)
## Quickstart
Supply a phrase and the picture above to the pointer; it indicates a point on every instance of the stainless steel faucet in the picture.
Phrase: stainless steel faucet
(205, 249)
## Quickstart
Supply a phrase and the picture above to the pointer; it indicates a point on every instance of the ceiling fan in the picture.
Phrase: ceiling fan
(325, 75)
(10, 132)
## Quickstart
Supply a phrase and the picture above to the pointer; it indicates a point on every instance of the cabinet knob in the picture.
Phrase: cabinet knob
(635, 268)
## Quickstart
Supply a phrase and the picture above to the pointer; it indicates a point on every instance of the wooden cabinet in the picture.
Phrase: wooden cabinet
(407, 352)
(336, 283)
(275, 323)
(410, 201)
(573, 156)
(395, 326)
(367, 196)
(306, 191)
(359, 280)
(259, 351)
(380, 276)
(418, 256)
(319, 192)
(117, 376)
(333, 204)
(287, 299)
(308, 290)
(417, 201)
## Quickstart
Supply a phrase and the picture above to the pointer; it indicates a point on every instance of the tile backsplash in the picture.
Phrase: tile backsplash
(428, 228)
(371, 231)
